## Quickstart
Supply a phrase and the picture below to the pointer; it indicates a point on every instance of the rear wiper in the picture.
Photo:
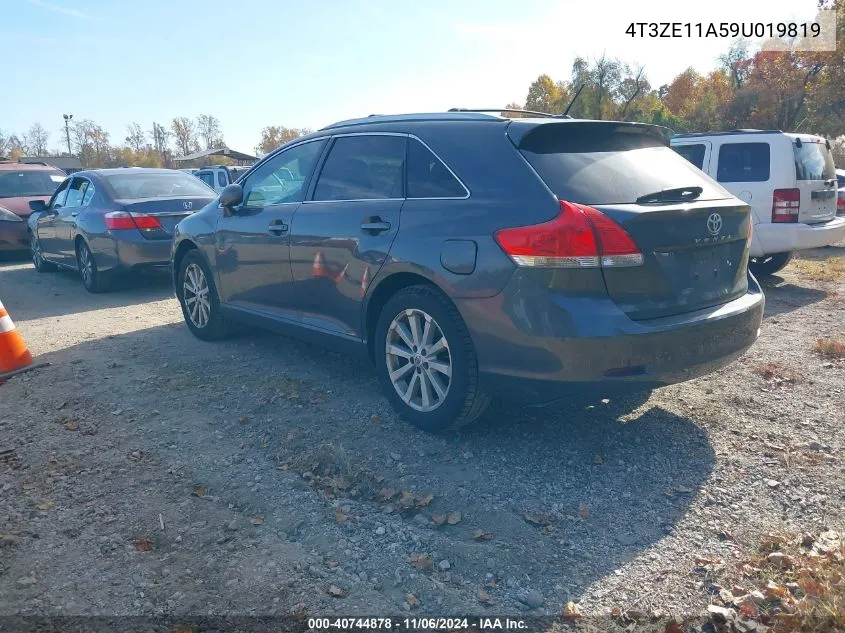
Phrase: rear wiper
(677, 194)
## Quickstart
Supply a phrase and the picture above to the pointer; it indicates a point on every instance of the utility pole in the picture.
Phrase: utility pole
(68, 117)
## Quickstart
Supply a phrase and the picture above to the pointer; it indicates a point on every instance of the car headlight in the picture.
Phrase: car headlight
(8, 216)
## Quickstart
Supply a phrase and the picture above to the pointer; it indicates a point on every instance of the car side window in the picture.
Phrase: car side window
(743, 162)
(59, 196)
(283, 177)
(693, 152)
(363, 168)
(206, 177)
(428, 177)
(221, 178)
(75, 193)
(89, 193)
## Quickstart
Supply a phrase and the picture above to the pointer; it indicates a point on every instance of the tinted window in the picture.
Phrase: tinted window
(743, 162)
(607, 164)
(29, 182)
(428, 177)
(693, 153)
(207, 177)
(221, 178)
(282, 178)
(841, 180)
(363, 168)
(89, 193)
(813, 161)
(156, 185)
(76, 193)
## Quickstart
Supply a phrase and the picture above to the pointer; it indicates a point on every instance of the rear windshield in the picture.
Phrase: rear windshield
(30, 182)
(813, 161)
(606, 164)
(130, 186)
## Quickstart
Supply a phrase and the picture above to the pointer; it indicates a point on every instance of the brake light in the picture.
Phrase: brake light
(840, 205)
(579, 237)
(785, 205)
(121, 220)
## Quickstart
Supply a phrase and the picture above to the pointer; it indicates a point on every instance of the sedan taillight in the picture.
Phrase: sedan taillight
(122, 220)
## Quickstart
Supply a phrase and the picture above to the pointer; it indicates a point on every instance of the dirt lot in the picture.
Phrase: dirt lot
(152, 473)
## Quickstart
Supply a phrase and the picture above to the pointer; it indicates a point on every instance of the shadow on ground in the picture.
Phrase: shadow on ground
(609, 490)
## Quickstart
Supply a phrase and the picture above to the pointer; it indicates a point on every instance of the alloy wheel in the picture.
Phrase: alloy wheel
(86, 265)
(419, 362)
(195, 292)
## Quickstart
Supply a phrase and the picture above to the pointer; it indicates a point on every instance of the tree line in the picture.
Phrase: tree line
(765, 89)
(156, 147)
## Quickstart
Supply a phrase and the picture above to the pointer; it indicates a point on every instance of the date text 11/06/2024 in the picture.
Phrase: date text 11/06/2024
(417, 624)
(723, 29)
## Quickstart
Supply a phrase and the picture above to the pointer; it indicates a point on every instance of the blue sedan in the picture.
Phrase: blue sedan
(106, 221)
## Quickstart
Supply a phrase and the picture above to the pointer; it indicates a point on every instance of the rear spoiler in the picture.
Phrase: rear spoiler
(520, 129)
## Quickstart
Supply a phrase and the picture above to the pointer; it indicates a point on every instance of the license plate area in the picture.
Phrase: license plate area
(710, 269)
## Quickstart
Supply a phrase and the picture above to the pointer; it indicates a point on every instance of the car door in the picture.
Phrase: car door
(341, 236)
(77, 198)
(745, 169)
(46, 224)
(252, 241)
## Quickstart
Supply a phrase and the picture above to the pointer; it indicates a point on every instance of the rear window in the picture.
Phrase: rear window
(607, 164)
(744, 162)
(156, 185)
(29, 182)
(813, 161)
(693, 153)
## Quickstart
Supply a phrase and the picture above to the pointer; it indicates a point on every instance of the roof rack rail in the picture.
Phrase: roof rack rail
(730, 132)
(547, 115)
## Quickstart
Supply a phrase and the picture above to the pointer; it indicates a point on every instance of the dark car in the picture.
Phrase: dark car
(106, 221)
(473, 256)
(21, 183)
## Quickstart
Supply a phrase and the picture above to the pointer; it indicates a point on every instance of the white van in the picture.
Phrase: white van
(788, 179)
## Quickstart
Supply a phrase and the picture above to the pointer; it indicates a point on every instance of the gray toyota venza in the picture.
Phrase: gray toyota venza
(472, 256)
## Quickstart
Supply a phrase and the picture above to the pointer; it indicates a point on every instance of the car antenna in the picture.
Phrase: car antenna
(577, 92)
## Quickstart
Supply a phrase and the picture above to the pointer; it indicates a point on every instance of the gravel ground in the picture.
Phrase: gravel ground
(151, 473)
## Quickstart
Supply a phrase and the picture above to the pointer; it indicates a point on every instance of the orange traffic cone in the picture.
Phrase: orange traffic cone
(319, 268)
(341, 274)
(14, 354)
(365, 280)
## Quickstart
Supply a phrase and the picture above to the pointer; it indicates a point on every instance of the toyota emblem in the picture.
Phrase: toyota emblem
(714, 223)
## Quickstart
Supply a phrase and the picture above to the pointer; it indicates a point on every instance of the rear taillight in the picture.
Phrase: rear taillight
(579, 237)
(117, 220)
(840, 205)
(785, 205)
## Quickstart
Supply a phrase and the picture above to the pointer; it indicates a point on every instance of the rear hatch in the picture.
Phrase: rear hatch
(168, 211)
(815, 176)
(693, 233)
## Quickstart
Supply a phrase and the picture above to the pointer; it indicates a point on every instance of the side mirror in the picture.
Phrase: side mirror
(37, 205)
(231, 196)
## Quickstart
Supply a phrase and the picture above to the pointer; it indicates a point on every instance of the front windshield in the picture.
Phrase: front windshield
(157, 185)
(29, 182)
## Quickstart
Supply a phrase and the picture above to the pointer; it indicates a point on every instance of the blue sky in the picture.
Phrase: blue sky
(253, 63)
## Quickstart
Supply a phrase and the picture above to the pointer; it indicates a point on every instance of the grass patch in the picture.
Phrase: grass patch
(776, 373)
(830, 347)
(830, 269)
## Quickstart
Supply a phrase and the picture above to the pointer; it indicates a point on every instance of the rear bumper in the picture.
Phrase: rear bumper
(604, 351)
(129, 249)
(13, 236)
(783, 238)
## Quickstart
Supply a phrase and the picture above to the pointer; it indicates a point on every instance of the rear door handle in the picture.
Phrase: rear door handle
(278, 228)
(375, 227)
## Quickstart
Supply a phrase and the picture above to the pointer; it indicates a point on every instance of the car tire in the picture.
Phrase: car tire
(203, 318)
(38, 261)
(446, 370)
(769, 264)
(94, 280)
